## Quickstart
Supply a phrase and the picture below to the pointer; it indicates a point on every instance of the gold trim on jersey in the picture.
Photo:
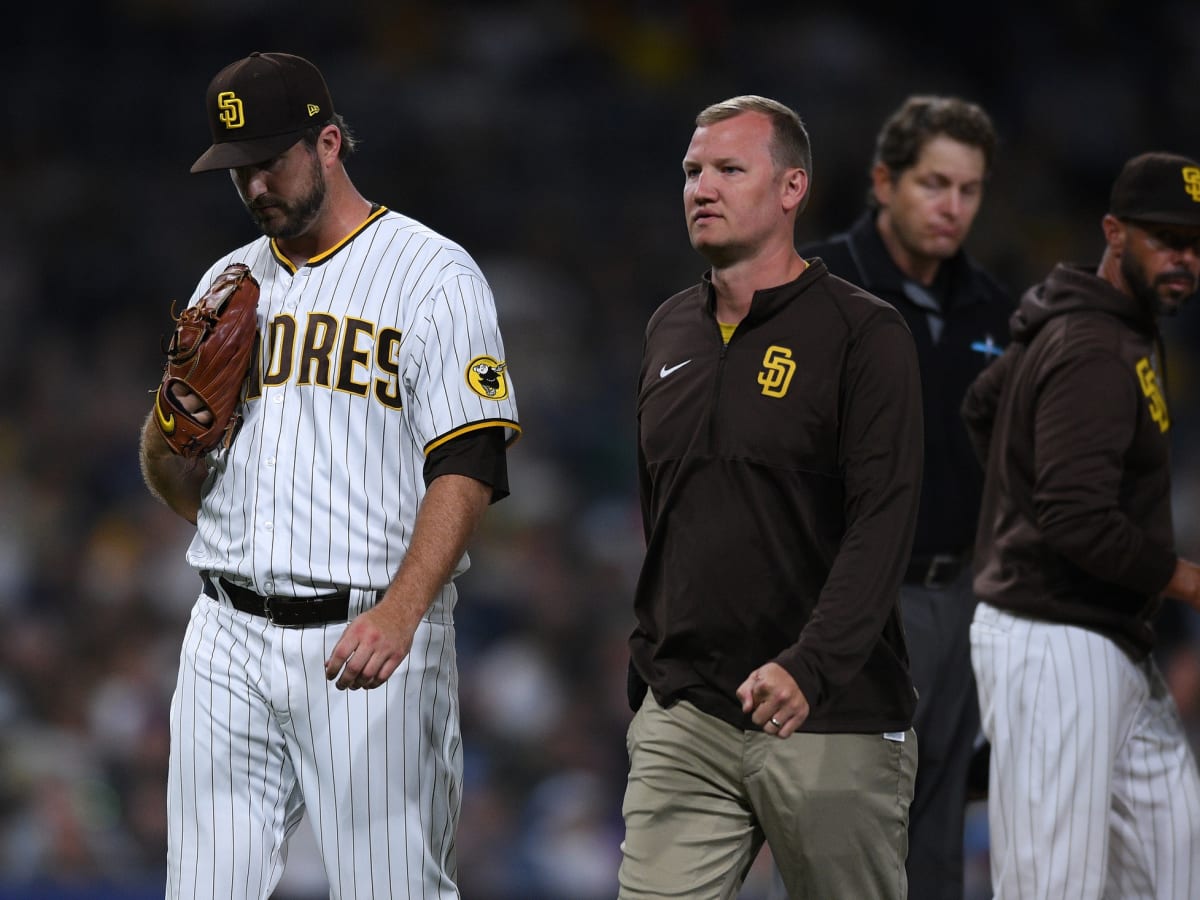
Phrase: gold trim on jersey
(325, 254)
(476, 426)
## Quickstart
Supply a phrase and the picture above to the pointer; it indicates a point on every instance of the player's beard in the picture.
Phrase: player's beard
(297, 216)
(1151, 295)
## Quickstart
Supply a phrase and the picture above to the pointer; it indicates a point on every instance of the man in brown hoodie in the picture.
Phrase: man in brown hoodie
(1093, 788)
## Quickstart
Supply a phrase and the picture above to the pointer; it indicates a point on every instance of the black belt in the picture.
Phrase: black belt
(936, 570)
(286, 612)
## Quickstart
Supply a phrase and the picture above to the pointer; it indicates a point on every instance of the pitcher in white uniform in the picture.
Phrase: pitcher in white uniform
(318, 670)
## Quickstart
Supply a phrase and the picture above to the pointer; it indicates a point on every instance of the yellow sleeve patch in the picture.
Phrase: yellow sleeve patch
(485, 376)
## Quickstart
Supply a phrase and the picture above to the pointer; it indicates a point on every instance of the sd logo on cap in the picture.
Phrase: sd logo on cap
(1158, 187)
(259, 106)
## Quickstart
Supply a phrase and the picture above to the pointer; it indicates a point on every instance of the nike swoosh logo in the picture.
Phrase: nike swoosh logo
(167, 423)
(665, 371)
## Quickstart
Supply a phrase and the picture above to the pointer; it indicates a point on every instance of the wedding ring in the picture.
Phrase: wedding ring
(776, 722)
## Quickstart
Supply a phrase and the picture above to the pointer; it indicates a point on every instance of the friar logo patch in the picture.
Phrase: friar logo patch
(485, 376)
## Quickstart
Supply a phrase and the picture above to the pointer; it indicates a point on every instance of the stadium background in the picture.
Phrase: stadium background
(546, 137)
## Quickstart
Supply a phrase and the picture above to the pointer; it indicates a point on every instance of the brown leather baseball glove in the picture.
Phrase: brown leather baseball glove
(207, 363)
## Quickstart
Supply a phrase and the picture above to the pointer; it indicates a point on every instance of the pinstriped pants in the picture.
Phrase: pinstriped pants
(258, 735)
(1094, 791)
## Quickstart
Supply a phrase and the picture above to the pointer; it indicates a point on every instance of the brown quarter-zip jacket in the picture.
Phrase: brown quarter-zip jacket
(780, 477)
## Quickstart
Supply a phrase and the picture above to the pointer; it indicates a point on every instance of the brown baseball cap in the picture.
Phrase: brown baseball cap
(259, 106)
(1163, 188)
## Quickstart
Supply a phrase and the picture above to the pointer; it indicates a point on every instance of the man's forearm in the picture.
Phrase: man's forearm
(448, 516)
(173, 479)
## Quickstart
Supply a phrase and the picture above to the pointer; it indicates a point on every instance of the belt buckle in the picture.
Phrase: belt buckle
(269, 612)
(939, 561)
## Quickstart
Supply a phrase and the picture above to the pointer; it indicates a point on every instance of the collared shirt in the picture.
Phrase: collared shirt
(959, 325)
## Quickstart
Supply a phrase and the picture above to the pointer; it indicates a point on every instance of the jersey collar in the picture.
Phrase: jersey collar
(376, 212)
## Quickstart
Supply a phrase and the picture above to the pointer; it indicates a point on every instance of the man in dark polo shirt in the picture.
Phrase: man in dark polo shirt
(933, 156)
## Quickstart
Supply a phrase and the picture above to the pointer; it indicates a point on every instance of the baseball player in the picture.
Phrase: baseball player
(1094, 791)
(318, 669)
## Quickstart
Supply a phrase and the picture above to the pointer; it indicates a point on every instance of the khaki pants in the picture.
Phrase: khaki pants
(703, 796)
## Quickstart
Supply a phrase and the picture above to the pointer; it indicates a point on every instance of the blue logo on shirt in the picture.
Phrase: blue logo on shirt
(987, 347)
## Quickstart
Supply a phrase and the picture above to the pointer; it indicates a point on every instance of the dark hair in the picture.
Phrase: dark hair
(919, 120)
(349, 140)
(790, 148)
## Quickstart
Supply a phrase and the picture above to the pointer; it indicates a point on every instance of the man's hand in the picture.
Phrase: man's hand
(375, 644)
(191, 403)
(1185, 583)
(371, 648)
(774, 700)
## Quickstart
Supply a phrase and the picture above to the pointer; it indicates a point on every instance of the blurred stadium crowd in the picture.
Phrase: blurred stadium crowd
(545, 137)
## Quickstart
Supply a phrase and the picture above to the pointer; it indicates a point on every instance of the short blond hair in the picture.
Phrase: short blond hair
(790, 147)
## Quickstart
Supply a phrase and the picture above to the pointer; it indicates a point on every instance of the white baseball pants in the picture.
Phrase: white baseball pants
(1094, 791)
(258, 735)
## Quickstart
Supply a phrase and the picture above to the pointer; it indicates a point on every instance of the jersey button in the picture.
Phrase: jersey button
(268, 525)
(270, 461)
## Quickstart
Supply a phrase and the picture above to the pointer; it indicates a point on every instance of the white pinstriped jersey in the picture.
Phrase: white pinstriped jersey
(373, 354)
